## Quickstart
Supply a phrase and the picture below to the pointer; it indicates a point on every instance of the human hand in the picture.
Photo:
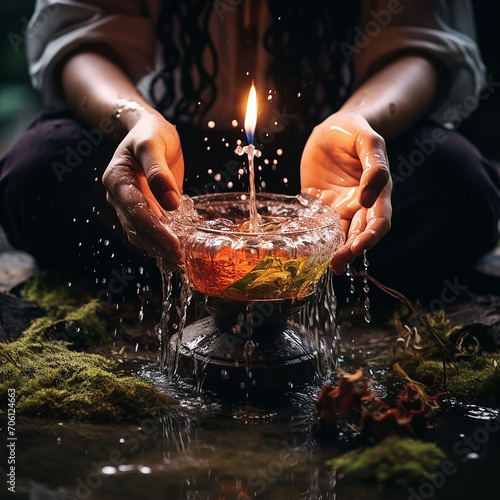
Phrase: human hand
(345, 164)
(143, 180)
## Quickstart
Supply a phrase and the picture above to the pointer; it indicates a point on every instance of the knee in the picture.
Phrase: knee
(51, 149)
(443, 161)
(439, 168)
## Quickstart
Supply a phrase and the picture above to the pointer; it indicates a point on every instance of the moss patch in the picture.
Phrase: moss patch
(52, 293)
(476, 380)
(52, 380)
(398, 461)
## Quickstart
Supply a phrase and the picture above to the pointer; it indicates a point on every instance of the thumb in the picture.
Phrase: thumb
(159, 176)
(373, 156)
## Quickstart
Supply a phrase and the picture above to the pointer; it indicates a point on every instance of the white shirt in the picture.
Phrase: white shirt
(443, 29)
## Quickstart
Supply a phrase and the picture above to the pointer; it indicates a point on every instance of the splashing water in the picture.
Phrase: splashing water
(320, 317)
(352, 288)
(366, 289)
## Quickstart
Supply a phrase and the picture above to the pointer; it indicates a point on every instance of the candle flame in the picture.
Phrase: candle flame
(251, 115)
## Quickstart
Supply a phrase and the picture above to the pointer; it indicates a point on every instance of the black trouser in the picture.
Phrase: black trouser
(53, 205)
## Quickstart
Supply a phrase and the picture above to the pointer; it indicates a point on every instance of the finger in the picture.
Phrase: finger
(152, 155)
(378, 223)
(345, 254)
(144, 229)
(373, 156)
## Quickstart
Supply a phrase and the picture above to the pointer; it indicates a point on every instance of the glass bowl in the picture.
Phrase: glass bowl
(282, 257)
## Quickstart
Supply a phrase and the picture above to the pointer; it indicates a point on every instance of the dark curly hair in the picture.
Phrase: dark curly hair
(303, 40)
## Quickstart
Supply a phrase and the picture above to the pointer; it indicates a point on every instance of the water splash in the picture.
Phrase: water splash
(366, 289)
(352, 288)
(162, 329)
(319, 316)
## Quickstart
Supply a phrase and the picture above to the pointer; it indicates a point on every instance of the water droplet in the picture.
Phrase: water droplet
(211, 124)
(229, 185)
(249, 347)
(279, 152)
(285, 180)
(234, 123)
(106, 243)
(224, 374)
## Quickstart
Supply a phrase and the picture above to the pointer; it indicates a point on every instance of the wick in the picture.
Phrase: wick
(251, 151)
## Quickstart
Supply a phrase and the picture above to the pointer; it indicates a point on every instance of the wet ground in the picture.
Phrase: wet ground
(219, 448)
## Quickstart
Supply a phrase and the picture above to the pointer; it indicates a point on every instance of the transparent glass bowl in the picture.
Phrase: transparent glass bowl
(296, 238)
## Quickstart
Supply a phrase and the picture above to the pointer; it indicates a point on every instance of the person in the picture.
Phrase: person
(357, 99)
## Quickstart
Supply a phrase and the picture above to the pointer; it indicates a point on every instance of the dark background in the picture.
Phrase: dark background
(19, 103)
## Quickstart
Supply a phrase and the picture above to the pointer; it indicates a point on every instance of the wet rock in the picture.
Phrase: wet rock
(16, 315)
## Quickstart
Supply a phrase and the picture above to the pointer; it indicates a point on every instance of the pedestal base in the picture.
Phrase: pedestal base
(227, 363)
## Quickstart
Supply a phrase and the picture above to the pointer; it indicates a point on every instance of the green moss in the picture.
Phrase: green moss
(399, 461)
(52, 380)
(52, 293)
(83, 315)
(87, 323)
(474, 380)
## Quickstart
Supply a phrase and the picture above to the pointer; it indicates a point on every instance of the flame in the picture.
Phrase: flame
(251, 115)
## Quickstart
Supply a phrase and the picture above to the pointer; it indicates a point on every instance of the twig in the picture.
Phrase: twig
(10, 359)
(405, 300)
